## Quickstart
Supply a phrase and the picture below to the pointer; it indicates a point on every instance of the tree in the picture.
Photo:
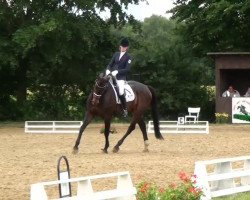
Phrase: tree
(167, 62)
(54, 43)
(215, 25)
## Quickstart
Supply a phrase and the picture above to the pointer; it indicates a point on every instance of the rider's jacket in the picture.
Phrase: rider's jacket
(121, 64)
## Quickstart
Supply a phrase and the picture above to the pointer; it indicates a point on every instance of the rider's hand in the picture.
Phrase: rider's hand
(114, 72)
(107, 72)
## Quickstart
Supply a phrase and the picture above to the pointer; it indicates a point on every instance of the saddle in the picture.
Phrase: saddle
(129, 93)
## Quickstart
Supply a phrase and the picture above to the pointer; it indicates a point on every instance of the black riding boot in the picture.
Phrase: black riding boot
(124, 105)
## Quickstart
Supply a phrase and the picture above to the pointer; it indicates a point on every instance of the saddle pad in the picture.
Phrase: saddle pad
(129, 93)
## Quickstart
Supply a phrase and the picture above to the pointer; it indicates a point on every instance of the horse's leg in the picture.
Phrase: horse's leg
(119, 143)
(106, 134)
(142, 126)
(87, 119)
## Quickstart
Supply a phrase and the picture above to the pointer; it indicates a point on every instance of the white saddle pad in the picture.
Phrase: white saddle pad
(129, 93)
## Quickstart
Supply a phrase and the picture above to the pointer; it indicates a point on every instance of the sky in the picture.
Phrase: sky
(156, 7)
(144, 10)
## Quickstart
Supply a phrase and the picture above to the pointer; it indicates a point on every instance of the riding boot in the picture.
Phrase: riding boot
(124, 105)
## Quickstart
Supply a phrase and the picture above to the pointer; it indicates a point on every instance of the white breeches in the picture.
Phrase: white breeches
(121, 86)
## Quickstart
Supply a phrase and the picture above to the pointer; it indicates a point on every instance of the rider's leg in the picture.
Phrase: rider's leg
(120, 84)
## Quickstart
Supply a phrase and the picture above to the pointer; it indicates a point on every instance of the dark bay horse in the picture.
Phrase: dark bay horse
(102, 102)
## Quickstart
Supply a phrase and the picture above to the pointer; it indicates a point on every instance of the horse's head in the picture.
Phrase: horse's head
(100, 86)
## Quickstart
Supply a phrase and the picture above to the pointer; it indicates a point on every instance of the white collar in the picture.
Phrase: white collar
(121, 54)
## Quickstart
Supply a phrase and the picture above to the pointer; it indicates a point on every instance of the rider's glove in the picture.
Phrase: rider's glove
(107, 72)
(114, 73)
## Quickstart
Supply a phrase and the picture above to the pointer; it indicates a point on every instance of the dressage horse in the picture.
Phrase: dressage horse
(102, 102)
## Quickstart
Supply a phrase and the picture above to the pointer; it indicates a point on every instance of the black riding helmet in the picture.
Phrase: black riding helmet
(124, 42)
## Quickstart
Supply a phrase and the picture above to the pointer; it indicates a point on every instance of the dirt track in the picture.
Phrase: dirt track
(30, 158)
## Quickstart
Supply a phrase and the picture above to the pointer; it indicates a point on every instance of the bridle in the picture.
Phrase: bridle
(100, 87)
(98, 91)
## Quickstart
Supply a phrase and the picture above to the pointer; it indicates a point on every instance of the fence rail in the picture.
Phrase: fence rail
(52, 126)
(224, 176)
(176, 127)
(124, 188)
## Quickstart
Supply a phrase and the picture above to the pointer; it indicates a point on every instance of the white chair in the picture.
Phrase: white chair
(193, 114)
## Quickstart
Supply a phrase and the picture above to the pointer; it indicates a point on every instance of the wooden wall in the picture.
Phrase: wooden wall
(231, 68)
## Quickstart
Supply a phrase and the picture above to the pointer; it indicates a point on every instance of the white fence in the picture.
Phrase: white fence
(222, 177)
(52, 126)
(176, 127)
(124, 188)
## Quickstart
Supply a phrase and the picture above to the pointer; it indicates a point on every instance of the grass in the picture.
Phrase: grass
(240, 196)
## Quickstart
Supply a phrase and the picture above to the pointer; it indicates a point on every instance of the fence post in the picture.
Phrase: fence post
(54, 126)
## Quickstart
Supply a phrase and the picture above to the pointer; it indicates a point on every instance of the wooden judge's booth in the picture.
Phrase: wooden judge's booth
(231, 68)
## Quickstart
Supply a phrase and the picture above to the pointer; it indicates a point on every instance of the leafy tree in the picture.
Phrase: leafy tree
(215, 25)
(167, 62)
(53, 43)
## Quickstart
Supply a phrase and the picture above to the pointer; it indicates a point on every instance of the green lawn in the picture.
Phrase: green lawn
(241, 196)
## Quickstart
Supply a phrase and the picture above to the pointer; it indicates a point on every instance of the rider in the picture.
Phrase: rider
(119, 66)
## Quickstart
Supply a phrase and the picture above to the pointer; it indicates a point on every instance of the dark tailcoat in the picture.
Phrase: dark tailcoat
(122, 65)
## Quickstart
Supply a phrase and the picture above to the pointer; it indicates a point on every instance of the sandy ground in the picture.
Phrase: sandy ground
(31, 158)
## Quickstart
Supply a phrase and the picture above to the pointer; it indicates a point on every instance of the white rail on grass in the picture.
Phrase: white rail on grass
(175, 127)
(52, 126)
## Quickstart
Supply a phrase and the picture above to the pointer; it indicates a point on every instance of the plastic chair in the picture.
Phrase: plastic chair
(193, 114)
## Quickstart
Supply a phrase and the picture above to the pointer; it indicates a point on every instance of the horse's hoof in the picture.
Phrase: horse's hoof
(115, 149)
(105, 150)
(75, 150)
(161, 138)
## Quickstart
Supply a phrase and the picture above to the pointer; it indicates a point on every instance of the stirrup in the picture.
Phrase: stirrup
(125, 113)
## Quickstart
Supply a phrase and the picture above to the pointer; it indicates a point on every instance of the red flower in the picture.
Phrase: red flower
(172, 185)
(161, 190)
(183, 176)
(194, 190)
(145, 187)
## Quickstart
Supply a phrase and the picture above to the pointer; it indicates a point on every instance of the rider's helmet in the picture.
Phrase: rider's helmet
(124, 42)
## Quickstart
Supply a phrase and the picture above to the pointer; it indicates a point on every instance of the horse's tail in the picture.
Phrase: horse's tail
(155, 114)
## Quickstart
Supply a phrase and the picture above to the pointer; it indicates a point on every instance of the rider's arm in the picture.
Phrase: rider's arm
(127, 67)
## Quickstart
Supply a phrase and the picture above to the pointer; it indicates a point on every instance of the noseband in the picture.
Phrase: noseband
(98, 91)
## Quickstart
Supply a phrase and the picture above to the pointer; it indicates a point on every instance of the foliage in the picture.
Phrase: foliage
(215, 25)
(48, 48)
(54, 102)
(221, 118)
(55, 43)
(9, 109)
(186, 190)
(166, 62)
